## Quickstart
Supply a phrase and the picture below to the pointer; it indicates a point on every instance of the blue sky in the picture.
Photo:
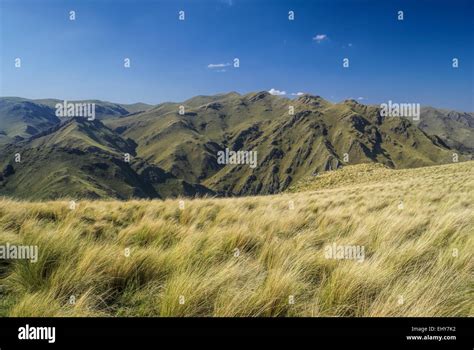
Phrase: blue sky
(402, 61)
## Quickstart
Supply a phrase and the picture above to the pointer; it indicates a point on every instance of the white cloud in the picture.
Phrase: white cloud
(217, 65)
(297, 93)
(276, 92)
(361, 98)
(320, 38)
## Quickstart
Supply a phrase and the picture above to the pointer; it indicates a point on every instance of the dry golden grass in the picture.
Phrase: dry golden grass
(252, 256)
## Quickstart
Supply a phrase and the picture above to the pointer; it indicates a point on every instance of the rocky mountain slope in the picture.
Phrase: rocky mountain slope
(174, 148)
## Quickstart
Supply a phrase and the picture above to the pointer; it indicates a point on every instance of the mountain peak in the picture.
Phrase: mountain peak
(229, 94)
(257, 96)
(313, 100)
(351, 101)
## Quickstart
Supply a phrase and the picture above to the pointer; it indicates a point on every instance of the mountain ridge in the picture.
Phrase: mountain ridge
(174, 146)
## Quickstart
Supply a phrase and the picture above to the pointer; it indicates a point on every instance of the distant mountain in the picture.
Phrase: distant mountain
(84, 159)
(456, 129)
(21, 118)
(313, 139)
(175, 151)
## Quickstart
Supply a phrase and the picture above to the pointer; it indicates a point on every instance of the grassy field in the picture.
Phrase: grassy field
(253, 256)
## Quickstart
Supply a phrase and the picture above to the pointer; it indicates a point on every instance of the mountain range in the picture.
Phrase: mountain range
(171, 149)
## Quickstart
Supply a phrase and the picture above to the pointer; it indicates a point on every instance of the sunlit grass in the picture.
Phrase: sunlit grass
(253, 256)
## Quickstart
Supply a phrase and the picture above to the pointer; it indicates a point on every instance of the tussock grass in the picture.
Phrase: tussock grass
(253, 256)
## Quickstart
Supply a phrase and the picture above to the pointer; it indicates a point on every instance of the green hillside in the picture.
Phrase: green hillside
(174, 146)
(85, 159)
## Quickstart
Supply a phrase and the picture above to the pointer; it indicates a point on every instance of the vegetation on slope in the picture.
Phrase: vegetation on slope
(84, 159)
(21, 118)
(251, 256)
(291, 138)
(456, 129)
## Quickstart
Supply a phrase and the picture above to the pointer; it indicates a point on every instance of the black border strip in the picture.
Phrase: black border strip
(121, 331)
